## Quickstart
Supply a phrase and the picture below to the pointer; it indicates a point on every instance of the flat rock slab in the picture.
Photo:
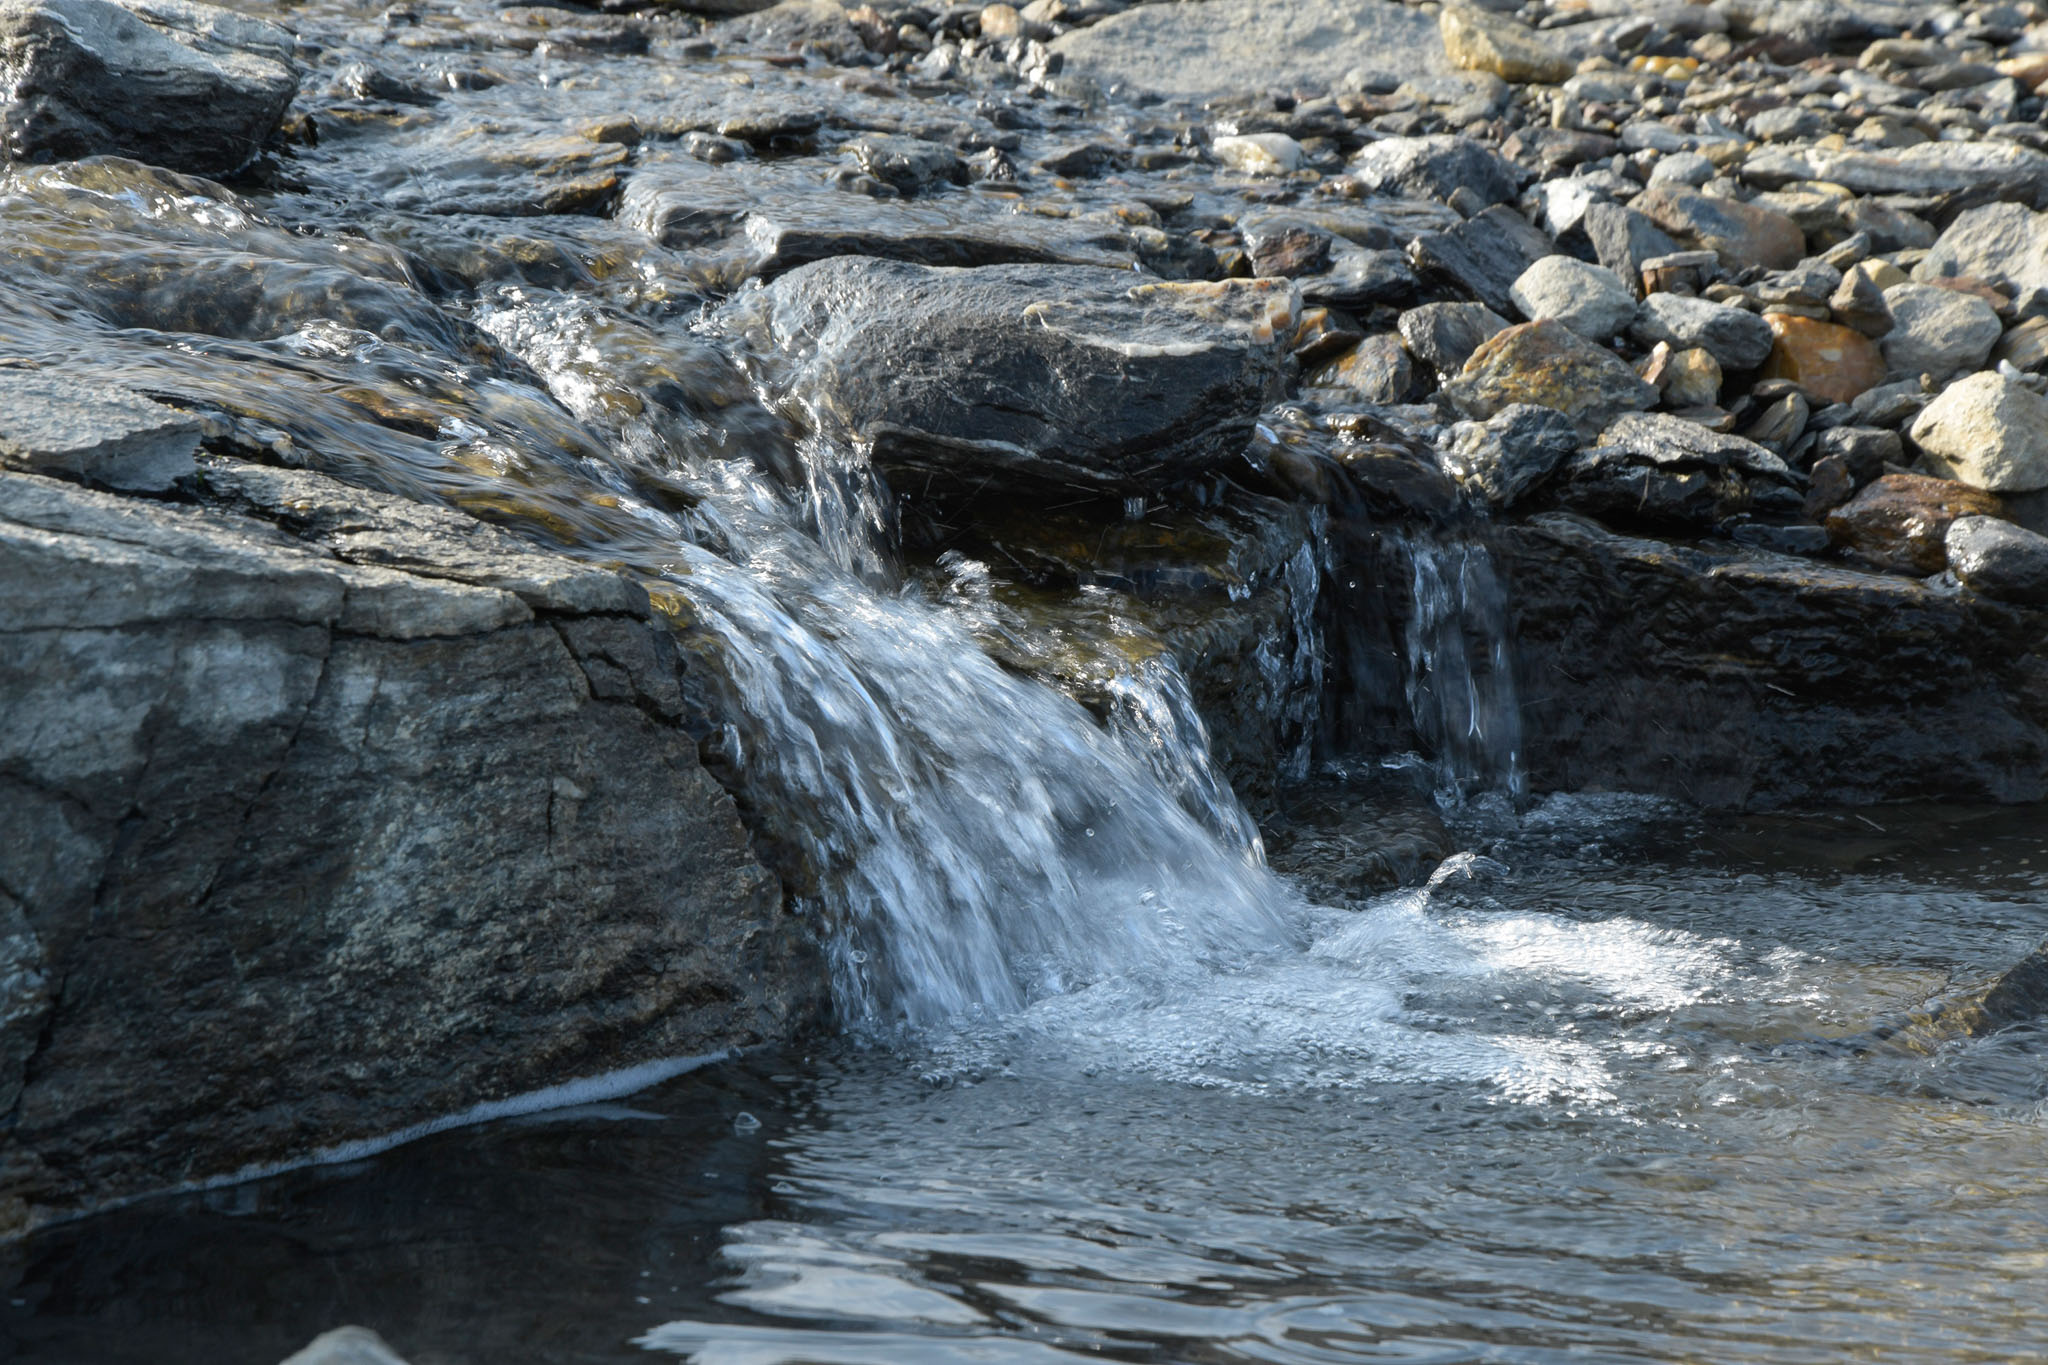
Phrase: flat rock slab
(1021, 377)
(83, 429)
(1194, 51)
(188, 86)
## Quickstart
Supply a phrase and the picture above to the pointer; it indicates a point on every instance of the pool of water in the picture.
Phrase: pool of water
(1616, 1087)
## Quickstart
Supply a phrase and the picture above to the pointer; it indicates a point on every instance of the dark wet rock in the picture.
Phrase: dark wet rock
(1624, 240)
(1446, 334)
(1735, 337)
(1589, 299)
(1083, 160)
(1735, 677)
(1435, 167)
(1988, 431)
(1830, 483)
(1357, 277)
(909, 165)
(399, 815)
(1938, 331)
(93, 431)
(1900, 521)
(346, 1346)
(1864, 451)
(505, 175)
(2017, 997)
(1022, 376)
(1666, 473)
(1511, 454)
(1549, 365)
(1834, 364)
(188, 86)
(1741, 234)
(1285, 250)
(1227, 46)
(1484, 256)
(1378, 370)
(1889, 405)
(1342, 845)
(361, 81)
(1999, 559)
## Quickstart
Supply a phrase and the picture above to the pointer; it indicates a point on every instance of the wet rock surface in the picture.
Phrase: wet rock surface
(396, 815)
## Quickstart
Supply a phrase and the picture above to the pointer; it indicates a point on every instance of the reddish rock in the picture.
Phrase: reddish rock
(1901, 521)
(1830, 362)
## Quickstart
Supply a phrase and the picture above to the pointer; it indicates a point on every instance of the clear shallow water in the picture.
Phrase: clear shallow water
(1618, 1103)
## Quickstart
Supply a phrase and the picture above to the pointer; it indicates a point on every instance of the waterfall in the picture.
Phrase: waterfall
(971, 840)
(1460, 679)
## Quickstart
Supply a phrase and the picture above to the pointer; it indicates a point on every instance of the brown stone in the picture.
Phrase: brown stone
(1742, 235)
(1832, 363)
(1901, 521)
(2025, 347)
(1548, 364)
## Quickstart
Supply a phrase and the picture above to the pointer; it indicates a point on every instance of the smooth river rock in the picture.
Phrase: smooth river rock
(1987, 431)
(1043, 379)
(188, 86)
(319, 833)
(1999, 559)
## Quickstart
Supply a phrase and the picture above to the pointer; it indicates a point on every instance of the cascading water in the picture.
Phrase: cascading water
(977, 840)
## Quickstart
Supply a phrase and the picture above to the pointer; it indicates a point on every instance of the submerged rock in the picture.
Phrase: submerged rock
(189, 86)
(1022, 377)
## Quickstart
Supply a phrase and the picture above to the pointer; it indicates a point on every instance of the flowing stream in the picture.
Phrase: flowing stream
(1608, 1087)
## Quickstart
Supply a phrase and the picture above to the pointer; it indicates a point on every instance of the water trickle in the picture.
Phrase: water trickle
(1461, 681)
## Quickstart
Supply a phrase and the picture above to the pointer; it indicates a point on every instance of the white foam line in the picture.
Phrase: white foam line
(608, 1085)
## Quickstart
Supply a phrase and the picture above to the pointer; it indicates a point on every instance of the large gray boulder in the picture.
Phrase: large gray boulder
(319, 833)
(187, 86)
(1026, 379)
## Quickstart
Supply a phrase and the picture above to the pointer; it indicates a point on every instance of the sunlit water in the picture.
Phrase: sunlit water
(1618, 1103)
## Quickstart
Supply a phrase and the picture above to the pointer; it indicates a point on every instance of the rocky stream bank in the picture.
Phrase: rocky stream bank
(1579, 394)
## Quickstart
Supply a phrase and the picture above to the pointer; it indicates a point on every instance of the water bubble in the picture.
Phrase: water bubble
(743, 1122)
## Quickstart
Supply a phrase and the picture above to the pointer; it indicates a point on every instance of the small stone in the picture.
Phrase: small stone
(1323, 336)
(1834, 364)
(1001, 21)
(1741, 234)
(1787, 123)
(1999, 559)
(1889, 405)
(1683, 168)
(1281, 250)
(907, 164)
(1938, 331)
(1624, 239)
(1858, 304)
(1901, 521)
(1549, 365)
(1782, 422)
(1259, 153)
(1987, 431)
(52, 424)
(2002, 242)
(1829, 485)
(1512, 453)
(1682, 272)
(1434, 167)
(1692, 379)
(1378, 369)
(2025, 347)
(1511, 50)
(1864, 451)
(1589, 299)
(1446, 334)
(1737, 338)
